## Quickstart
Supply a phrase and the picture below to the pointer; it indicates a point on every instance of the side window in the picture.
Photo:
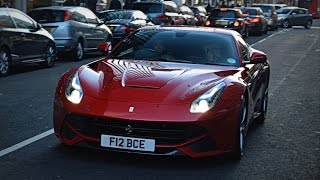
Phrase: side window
(21, 20)
(295, 11)
(90, 16)
(244, 51)
(170, 8)
(5, 20)
(260, 12)
(78, 17)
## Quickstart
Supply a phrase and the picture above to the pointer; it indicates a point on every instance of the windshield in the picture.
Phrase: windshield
(283, 11)
(223, 14)
(264, 8)
(178, 46)
(148, 7)
(117, 15)
(47, 16)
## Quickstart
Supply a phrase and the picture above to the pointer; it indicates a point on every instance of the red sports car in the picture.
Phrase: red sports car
(166, 91)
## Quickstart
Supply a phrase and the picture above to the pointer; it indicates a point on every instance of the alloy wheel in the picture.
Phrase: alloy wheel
(285, 24)
(242, 129)
(79, 51)
(50, 56)
(4, 62)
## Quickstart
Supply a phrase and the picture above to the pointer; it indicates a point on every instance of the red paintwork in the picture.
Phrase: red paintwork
(160, 91)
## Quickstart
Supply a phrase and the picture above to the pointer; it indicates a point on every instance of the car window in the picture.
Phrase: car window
(178, 46)
(195, 10)
(21, 20)
(148, 7)
(170, 8)
(47, 16)
(76, 16)
(264, 8)
(5, 20)
(244, 49)
(295, 11)
(117, 15)
(301, 11)
(250, 11)
(202, 9)
(89, 15)
(283, 11)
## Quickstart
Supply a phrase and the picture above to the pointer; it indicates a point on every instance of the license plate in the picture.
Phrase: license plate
(130, 143)
(222, 22)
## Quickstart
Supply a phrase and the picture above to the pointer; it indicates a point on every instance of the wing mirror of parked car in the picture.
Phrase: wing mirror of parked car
(105, 48)
(258, 57)
(293, 13)
(36, 28)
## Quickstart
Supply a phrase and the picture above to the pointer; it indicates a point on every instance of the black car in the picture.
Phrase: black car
(123, 22)
(161, 13)
(258, 24)
(228, 18)
(23, 40)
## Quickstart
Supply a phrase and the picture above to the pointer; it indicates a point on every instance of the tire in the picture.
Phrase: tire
(263, 108)
(5, 60)
(78, 52)
(241, 132)
(308, 24)
(49, 56)
(285, 23)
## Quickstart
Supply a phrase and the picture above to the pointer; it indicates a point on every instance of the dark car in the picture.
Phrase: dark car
(200, 13)
(269, 11)
(294, 16)
(258, 24)
(228, 18)
(161, 13)
(184, 91)
(123, 22)
(188, 15)
(76, 30)
(23, 40)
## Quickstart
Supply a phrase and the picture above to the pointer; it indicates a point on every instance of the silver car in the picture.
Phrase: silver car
(269, 11)
(76, 30)
(294, 16)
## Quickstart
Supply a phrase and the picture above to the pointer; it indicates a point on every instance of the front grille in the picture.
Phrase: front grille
(162, 132)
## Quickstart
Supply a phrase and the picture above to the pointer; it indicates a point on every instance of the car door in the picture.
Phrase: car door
(97, 32)
(303, 18)
(252, 73)
(27, 43)
(294, 17)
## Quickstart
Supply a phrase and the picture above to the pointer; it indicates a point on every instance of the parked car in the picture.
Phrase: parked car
(101, 5)
(218, 86)
(188, 15)
(161, 13)
(228, 18)
(200, 13)
(258, 24)
(23, 40)
(294, 16)
(76, 30)
(269, 11)
(123, 22)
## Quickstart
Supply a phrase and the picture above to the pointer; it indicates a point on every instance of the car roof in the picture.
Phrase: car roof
(192, 28)
(226, 9)
(58, 8)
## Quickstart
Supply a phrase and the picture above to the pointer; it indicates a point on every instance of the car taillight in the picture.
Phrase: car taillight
(67, 15)
(237, 23)
(255, 20)
(162, 17)
(126, 29)
(208, 23)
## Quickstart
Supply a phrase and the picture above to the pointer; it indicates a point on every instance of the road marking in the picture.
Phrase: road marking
(25, 142)
(267, 38)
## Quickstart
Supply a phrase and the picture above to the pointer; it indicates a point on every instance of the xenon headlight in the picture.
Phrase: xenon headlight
(74, 91)
(208, 99)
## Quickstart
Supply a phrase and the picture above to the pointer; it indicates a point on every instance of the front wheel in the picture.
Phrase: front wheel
(49, 56)
(4, 62)
(241, 132)
(286, 24)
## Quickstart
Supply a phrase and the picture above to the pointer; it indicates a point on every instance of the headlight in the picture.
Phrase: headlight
(208, 99)
(74, 91)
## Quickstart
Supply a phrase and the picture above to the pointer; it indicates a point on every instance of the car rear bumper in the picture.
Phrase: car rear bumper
(65, 45)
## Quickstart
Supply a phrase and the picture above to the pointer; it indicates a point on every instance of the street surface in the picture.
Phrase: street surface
(286, 146)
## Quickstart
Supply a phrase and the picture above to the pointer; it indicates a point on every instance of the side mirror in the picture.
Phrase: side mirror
(293, 13)
(105, 48)
(258, 57)
(36, 28)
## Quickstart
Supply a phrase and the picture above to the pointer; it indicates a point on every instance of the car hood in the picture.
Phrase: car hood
(149, 81)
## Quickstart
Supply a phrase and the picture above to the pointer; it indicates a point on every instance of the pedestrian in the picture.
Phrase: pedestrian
(115, 4)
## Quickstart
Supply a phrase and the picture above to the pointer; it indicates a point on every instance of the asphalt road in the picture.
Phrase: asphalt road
(286, 146)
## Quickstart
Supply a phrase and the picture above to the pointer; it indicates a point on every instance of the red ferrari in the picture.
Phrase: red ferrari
(166, 91)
